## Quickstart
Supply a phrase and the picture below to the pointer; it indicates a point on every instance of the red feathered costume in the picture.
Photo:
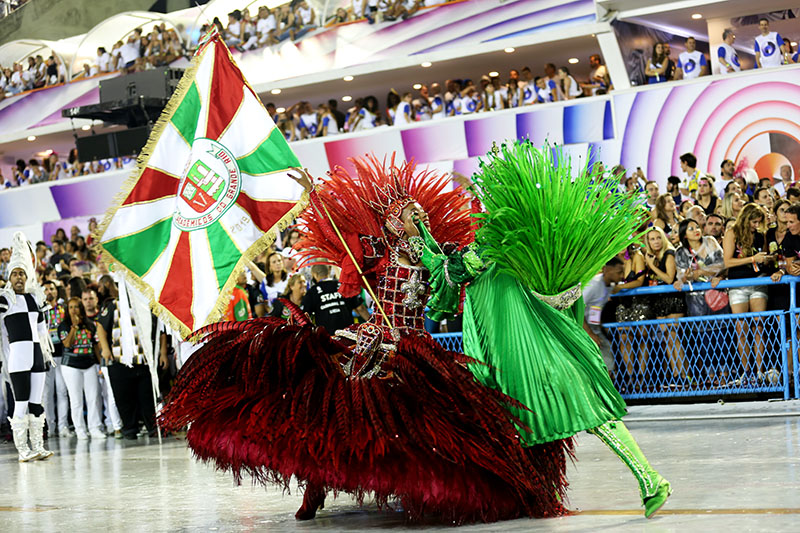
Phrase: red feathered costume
(374, 409)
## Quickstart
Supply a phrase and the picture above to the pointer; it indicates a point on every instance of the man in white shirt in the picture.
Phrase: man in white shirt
(437, 102)
(768, 46)
(129, 53)
(103, 60)
(17, 83)
(691, 63)
(266, 27)
(786, 180)
(726, 54)
(598, 79)
(726, 169)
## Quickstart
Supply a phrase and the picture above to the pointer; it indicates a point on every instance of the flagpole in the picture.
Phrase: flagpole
(358, 268)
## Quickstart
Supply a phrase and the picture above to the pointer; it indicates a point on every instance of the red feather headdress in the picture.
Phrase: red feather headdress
(364, 203)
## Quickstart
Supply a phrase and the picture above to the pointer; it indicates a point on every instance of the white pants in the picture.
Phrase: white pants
(80, 384)
(112, 418)
(54, 383)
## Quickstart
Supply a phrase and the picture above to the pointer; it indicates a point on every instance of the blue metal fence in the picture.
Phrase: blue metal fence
(719, 354)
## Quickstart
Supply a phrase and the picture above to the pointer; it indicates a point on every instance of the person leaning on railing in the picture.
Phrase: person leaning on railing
(661, 270)
(632, 309)
(744, 246)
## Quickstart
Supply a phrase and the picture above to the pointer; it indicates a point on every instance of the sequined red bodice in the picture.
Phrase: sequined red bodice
(403, 291)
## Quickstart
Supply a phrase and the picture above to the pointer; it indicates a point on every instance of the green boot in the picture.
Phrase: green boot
(653, 488)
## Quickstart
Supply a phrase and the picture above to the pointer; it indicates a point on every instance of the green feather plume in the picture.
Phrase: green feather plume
(547, 224)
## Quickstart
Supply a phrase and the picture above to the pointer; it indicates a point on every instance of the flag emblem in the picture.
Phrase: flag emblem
(209, 187)
(210, 191)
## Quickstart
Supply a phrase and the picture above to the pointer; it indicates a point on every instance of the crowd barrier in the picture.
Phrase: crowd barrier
(722, 354)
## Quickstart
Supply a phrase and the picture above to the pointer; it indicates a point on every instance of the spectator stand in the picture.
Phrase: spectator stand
(114, 29)
(710, 349)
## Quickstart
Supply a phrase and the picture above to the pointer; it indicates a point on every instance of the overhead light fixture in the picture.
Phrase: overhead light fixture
(346, 98)
(426, 64)
(572, 60)
(494, 74)
(348, 78)
(280, 109)
(31, 138)
(696, 16)
(86, 127)
(509, 50)
(275, 91)
(417, 86)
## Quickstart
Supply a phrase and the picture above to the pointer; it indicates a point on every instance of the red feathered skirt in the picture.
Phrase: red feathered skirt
(269, 399)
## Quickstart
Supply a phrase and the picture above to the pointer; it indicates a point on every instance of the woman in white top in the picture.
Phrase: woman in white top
(569, 86)
(273, 283)
(103, 60)
(327, 122)
(402, 114)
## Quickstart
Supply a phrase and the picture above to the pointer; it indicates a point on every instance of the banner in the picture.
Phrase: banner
(210, 192)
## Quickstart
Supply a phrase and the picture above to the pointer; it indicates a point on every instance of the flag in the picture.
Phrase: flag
(209, 192)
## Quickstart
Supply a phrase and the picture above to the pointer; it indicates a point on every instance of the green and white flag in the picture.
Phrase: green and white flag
(210, 190)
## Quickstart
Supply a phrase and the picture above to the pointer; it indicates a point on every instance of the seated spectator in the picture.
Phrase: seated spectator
(19, 80)
(340, 16)
(726, 54)
(305, 19)
(657, 66)
(234, 32)
(696, 213)
(569, 87)
(266, 28)
(786, 180)
(691, 63)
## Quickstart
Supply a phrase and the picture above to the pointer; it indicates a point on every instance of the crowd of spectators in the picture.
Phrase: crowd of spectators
(53, 168)
(703, 228)
(38, 73)
(771, 50)
(436, 101)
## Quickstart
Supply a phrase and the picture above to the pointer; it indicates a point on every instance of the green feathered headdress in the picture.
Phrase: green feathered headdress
(548, 224)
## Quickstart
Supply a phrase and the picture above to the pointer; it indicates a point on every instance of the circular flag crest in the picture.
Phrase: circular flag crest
(209, 186)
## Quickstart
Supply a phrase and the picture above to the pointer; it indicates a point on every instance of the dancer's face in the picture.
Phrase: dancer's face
(17, 278)
(412, 214)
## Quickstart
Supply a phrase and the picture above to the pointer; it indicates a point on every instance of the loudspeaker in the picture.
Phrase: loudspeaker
(156, 83)
(114, 144)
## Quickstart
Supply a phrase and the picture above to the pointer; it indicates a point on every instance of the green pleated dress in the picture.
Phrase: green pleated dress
(539, 356)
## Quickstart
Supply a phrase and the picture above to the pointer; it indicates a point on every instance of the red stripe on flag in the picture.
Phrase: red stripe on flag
(177, 294)
(226, 93)
(265, 214)
(152, 185)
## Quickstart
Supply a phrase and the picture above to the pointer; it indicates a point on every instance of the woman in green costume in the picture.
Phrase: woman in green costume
(544, 234)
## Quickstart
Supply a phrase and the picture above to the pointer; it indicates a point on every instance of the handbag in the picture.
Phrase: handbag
(716, 299)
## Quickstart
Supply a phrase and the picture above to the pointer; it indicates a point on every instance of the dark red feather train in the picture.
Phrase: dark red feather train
(270, 400)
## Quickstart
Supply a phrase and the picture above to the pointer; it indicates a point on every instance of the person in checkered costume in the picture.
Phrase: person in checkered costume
(26, 350)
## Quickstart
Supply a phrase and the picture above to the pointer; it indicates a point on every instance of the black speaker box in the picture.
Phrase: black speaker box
(155, 83)
(114, 144)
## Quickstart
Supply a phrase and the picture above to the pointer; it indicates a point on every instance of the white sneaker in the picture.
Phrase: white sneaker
(82, 435)
(64, 432)
(97, 434)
